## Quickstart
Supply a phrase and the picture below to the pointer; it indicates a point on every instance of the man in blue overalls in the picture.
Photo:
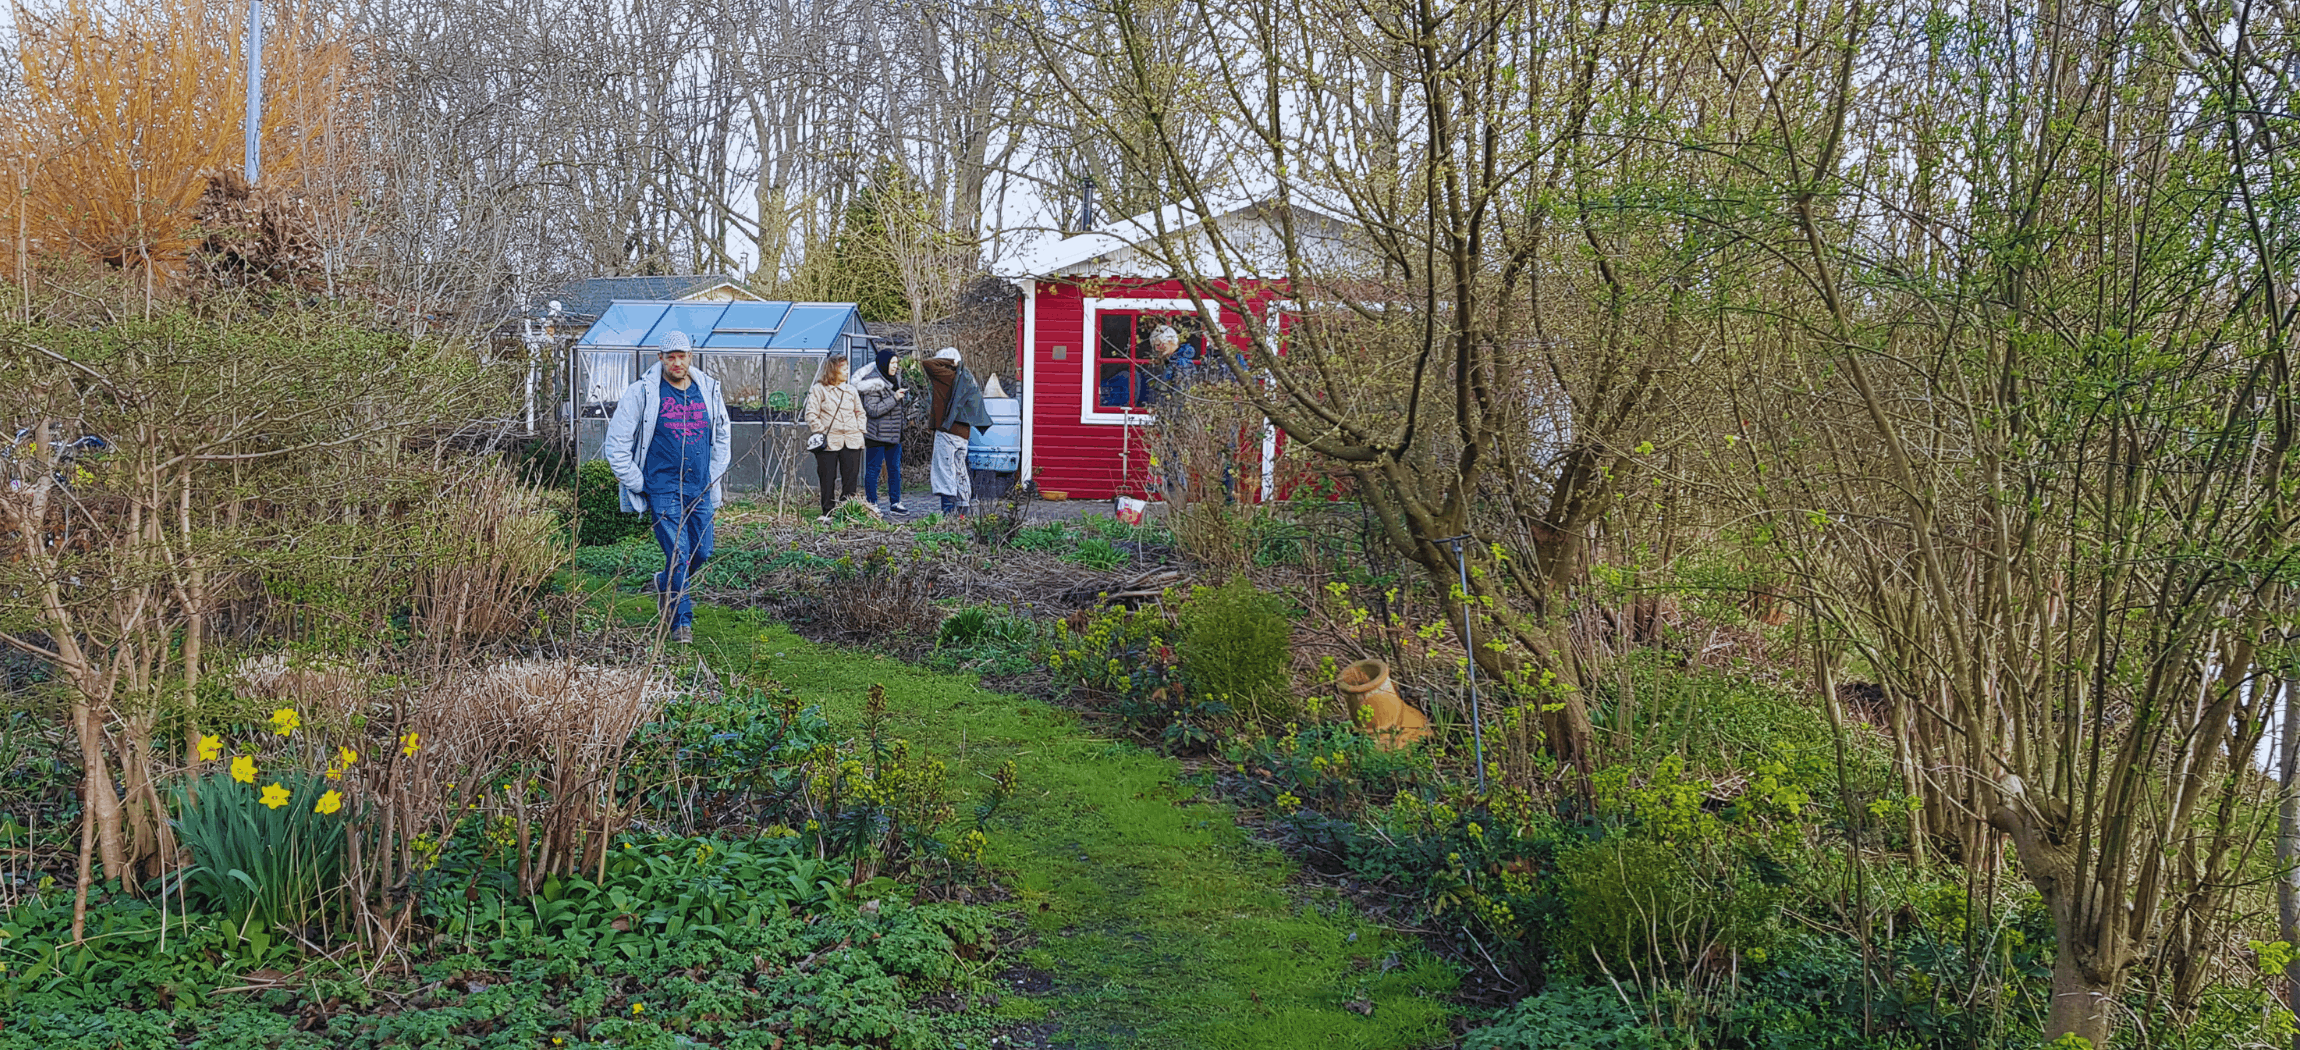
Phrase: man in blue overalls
(668, 443)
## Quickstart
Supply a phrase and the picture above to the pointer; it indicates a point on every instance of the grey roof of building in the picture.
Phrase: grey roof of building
(590, 297)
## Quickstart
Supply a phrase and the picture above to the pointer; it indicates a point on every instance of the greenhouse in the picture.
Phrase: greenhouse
(764, 355)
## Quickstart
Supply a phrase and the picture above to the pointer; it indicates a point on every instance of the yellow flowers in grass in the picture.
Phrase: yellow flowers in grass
(244, 769)
(275, 796)
(285, 721)
(211, 746)
(329, 803)
(409, 744)
(638, 1008)
(346, 756)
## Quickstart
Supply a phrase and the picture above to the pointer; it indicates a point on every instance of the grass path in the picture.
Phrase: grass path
(1158, 921)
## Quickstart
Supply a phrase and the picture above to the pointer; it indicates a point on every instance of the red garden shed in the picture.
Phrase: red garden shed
(1090, 303)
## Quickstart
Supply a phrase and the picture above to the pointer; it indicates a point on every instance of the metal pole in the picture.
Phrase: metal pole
(254, 128)
(533, 345)
(1469, 646)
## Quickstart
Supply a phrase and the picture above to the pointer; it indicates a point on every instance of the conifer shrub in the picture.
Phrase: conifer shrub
(1236, 648)
(599, 516)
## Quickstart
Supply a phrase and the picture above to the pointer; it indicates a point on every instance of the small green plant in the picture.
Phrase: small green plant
(935, 541)
(1236, 647)
(599, 515)
(1052, 536)
(1097, 553)
(985, 639)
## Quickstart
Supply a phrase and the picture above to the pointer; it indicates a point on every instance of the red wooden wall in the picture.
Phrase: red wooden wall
(1091, 460)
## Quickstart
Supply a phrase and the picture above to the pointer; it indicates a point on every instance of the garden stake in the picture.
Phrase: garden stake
(1476, 723)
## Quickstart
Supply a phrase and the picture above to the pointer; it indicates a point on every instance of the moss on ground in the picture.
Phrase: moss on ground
(1155, 918)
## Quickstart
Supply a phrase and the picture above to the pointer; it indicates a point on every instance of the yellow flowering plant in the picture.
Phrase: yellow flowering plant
(257, 857)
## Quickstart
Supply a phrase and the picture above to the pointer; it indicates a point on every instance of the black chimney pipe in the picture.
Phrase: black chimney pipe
(1086, 211)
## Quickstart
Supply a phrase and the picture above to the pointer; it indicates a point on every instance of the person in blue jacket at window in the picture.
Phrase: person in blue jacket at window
(1117, 390)
(668, 443)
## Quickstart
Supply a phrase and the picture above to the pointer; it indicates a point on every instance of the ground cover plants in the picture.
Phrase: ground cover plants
(1741, 867)
(761, 891)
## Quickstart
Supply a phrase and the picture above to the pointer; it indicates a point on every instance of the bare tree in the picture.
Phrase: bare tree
(1483, 330)
(2020, 417)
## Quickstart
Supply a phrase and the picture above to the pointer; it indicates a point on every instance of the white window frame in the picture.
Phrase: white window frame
(1088, 411)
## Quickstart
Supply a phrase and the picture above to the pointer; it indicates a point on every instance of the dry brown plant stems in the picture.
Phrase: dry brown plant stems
(124, 114)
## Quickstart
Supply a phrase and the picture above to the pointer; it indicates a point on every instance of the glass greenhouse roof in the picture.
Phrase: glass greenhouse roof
(773, 327)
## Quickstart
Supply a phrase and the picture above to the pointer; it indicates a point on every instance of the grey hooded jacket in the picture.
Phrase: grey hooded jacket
(888, 413)
(633, 426)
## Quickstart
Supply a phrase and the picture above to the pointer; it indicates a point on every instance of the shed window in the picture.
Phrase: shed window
(1131, 367)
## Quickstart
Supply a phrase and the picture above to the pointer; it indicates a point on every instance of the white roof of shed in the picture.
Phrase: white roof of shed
(1123, 248)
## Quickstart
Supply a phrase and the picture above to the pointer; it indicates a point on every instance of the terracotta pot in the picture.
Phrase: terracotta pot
(1395, 723)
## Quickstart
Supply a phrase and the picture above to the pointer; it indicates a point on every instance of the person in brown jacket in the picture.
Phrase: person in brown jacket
(947, 465)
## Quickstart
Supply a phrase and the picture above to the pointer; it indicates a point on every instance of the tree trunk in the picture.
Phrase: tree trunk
(2092, 953)
(2080, 1006)
(2288, 841)
(103, 803)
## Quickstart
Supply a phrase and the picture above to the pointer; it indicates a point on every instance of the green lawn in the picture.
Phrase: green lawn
(1158, 922)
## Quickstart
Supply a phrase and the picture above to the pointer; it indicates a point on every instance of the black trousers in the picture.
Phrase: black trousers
(843, 466)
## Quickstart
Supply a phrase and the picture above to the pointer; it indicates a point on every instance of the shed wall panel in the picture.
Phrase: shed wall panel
(1084, 460)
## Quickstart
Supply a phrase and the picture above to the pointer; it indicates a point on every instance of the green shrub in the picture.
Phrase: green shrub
(1126, 657)
(1334, 767)
(1639, 903)
(599, 516)
(1236, 648)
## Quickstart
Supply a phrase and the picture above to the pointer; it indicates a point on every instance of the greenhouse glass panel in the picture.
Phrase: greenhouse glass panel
(625, 324)
(740, 382)
(784, 379)
(747, 326)
(604, 375)
(695, 319)
(814, 326)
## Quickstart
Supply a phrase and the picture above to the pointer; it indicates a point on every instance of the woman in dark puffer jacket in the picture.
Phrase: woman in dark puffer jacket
(889, 407)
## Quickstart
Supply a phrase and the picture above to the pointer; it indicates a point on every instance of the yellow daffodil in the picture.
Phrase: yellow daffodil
(334, 773)
(638, 1008)
(244, 769)
(409, 743)
(346, 756)
(210, 747)
(329, 802)
(275, 796)
(285, 721)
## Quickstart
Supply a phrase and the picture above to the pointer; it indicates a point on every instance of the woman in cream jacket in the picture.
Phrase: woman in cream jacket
(835, 413)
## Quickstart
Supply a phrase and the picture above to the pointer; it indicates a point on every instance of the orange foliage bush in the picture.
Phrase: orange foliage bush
(124, 115)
